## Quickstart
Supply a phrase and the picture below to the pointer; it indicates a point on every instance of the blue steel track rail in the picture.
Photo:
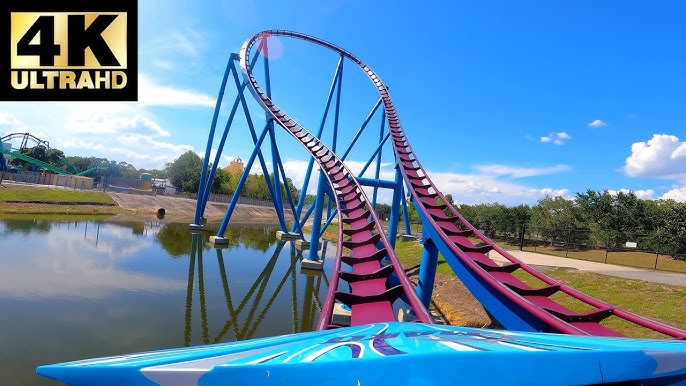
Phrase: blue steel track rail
(371, 257)
(514, 303)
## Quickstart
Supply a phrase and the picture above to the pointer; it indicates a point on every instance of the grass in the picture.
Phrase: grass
(660, 302)
(56, 201)
(56, 216)
(637, 259)
(70, 210)
(54, 196)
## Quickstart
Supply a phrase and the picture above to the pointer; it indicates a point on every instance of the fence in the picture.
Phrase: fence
(226, 198)
(35, 178)
(653, 251)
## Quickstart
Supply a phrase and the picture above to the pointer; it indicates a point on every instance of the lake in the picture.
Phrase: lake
(75, 289)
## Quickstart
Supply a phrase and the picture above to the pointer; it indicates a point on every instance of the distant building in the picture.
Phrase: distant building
(235, 167)
(163, 186)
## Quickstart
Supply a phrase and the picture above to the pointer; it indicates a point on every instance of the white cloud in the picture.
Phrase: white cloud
(107, 124)
(662, 156)
(556, 138)
(7, 119)
(476, 189)
(163, 64)
(642, 194)
(519, 172)
(597, 123)
(465, 188)
(152, 94)
(77, 143)
(547, 192)
(183, 43)
(678, 194)
(648, 194)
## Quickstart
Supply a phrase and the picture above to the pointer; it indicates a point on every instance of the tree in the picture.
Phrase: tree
(383, 211)
(222, 182)
(184, 172)
(556, 216)
(84, 163)
(672, 222)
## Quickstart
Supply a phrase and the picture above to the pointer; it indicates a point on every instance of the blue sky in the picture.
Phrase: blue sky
(502, 101)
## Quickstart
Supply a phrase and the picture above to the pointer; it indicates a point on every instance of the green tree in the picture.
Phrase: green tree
(383, 211)
(555, 216)
(222, 182)
(672, 224)
(84, 163)
(184, 172)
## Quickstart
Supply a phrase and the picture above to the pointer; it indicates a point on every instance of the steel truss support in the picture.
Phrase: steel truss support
(209, 170)
(322, 212)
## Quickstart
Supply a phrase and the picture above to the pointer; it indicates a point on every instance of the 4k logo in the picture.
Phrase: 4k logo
(72, 53)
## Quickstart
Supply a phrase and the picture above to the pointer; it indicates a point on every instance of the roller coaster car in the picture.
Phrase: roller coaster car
(393, 354)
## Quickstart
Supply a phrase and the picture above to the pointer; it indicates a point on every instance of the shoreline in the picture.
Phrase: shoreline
(27, 201)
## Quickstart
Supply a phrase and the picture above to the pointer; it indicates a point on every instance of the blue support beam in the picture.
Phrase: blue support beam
(361, 129)
(208, 148)
(278, 202)
(378, 149)
(395, 207)
(205, 192)
(406, 215)
(427, 272)
(317, 220)
(241, 182)
(376, 183)
(377, 172)
(204, 189)
(303, 192)
(265, 173)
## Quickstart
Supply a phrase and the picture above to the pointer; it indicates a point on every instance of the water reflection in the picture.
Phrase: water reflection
(245, 312)
(176, 239)
(53, 260)
(25, 226)
(78, 288)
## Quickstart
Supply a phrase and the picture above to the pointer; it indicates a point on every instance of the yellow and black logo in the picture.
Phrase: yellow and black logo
(69, 50)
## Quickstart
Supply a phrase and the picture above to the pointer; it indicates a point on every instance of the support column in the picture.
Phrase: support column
(203, 173)
(395, 207)
(312, 261)
(427, 272)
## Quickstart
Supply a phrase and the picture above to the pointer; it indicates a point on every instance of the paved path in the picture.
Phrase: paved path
(532, 258)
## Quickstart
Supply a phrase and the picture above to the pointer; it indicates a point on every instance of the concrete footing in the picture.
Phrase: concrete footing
(311, 265)
(196, 227)
(304, 245)
(408, 238)
(281, 235)
(341, 315)
(218, 240)
(311, 272)
(406, 315)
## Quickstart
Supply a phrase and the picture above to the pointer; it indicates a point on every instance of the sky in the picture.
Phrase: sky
(502, 101)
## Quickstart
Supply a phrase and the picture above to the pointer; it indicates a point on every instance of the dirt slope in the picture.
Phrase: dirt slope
(180, 208)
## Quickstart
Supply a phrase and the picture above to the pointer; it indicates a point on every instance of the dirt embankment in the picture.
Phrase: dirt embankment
(179, 208)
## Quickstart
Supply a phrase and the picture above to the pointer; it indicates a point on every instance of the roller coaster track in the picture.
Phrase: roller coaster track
(516, 304)
(370, 299)
(33, 161)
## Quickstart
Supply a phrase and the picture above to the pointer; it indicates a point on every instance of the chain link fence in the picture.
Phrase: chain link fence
(652, 251)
